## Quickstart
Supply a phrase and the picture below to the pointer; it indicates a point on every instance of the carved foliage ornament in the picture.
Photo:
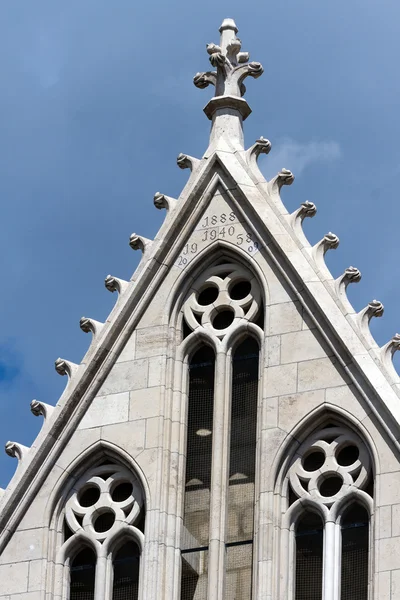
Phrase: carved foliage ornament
(232, 65)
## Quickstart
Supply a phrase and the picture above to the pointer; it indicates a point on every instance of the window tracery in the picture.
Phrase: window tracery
(222, 420)
(328, 506)
(221, 297)
(103, 519)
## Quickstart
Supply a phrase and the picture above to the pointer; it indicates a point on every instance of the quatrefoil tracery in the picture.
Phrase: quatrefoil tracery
(223, 296)
(103, 499)
(328, 465)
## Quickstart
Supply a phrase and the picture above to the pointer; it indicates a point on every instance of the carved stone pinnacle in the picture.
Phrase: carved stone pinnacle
(232, 67)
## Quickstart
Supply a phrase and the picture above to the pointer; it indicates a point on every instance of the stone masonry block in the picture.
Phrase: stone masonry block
(24, 546)
(151, 341)
(14, 578)
(388, 554)
(145, 403)
(284, 318)
(294, 407)
(318, 373)
(105, 410)
(126, 376)
(281, 380)
(129, 436)
(300, 346)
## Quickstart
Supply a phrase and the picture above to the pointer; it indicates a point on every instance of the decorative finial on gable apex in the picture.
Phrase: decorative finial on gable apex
(228, 109)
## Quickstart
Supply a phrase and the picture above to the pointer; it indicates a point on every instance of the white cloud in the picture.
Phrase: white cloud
(296, 156)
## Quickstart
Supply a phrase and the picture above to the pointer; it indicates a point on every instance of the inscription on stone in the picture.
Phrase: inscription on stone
(218, 226)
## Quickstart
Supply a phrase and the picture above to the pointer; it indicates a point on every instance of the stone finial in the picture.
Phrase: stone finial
(284, 177)
(41, 409)
(184, 161)
(227, 109)
(65, 367)
(16, 450)
(113, 284)
(388, 351)
(90, 325)
(232, 67)
(162, 201)
(138, 242)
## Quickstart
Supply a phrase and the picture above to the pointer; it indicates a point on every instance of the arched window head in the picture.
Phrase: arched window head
(104, 498)
(82, 575)
(330, 464)
(103, 515)
(329, 499)
(224, 295)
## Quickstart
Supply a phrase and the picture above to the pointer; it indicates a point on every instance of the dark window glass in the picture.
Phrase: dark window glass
(243, 442)
(194, 575)
(126, 572)
(309, 559)
(355, 542)
(199, 449)
(82, 575)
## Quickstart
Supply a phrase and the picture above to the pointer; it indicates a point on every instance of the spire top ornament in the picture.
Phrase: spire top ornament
(227, 109)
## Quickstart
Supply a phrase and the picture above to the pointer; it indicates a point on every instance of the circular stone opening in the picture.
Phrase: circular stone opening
(104, 522)
(122, 491)
(330, 486)
(223, 319)
(313, 461)
(208, 295)
(347, 456)
(240, 290)
(89, 496)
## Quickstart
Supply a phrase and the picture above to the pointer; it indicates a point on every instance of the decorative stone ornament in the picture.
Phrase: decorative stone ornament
(113, 284)
(331, 463)
(41, 409)
(228, 109)
(222, 298)
(105, 498)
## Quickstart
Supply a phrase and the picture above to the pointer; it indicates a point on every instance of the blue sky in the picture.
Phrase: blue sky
(97, 101)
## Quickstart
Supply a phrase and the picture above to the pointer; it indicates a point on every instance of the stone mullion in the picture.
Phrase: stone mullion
(330, 556)
(219, 478)
(173, 475)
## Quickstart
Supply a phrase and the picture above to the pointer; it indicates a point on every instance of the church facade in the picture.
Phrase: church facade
(233, 432)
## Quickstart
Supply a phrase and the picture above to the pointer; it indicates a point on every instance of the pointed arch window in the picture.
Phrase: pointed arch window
(355, 543)
(103, 520)
(242, 466)
(331, 476)
(218, 518)
(83, 575)
(126, 562)
(196, 515)
(309, 557)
